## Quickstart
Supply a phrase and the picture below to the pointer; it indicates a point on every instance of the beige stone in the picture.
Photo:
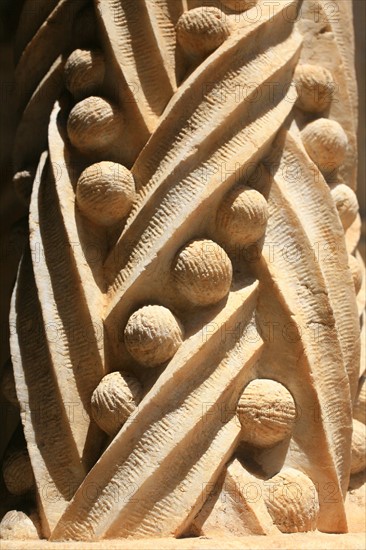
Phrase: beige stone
(326, 143)
(17, 526)
(292, 502)
(93, 124)
(267, 413)
(153, 335)
(315, 87)
(239, 5)
(114, 400)
(346, 203)
(242, 217)
(185, 321)
(202, 30)
(311, 541)
(84, 72)
(357, 271)
(105, 192)
(358, 449)
(359, 409)
(202, 272)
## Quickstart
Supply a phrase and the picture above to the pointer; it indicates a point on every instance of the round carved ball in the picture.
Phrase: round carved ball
(94, 125)
(105, 192)
(242, 217)
(114, 400)
(201, 30)
(267, 413)
(239, 5)
(358, 449)
(292, 502)
(17, 526)
(326, 143)
(346, 203)
(84, 72)
(315, 88)
(202, 272)
(18, 473)
(153, 335)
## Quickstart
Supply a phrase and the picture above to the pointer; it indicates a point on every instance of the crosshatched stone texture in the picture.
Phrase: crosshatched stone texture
(185, 352)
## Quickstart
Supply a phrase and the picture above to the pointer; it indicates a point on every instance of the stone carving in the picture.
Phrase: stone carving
(191, 325)
(267, 412)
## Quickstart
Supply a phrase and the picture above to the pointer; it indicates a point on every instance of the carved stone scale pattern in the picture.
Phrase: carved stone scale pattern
(186, 359)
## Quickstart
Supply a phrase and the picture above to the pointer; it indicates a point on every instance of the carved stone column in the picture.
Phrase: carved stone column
(186, 317)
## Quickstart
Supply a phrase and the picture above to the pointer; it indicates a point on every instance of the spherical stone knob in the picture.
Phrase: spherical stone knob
(292, 501)
(346, 203)
(153, 335)
(315, 87)
(94, 125)
(201, 30)
(358, 449)
(326, 143)
(84, 72)
(202, 272)
(114, 400)
(105, 192)
(242, 217)
(18, 473)
(17, 526)
(239, 5)
(267, 413)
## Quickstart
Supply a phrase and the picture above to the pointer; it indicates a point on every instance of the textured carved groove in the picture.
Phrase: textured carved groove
(186, 316)
(37, 113)
(51, 39)
(300, 287)
(323, 230)
(44, 414)
(171, 420)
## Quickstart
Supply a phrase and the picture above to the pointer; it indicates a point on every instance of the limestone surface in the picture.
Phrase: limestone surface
(188, 309)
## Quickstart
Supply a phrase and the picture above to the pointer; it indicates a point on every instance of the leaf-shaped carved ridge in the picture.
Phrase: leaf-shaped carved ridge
(325, 231)
(103, 517)
(152, 477)
(187, 144)
(188, 165)
(26, 149)
(294, 287)
(140, 40)
(73, 336)
(322, 23)
(336, 14)
(33, 15)
(46, 418)
(244, 515)
(48, 31)
(52, 39)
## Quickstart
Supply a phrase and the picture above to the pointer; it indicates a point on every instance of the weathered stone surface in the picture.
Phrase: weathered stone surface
(190, 331)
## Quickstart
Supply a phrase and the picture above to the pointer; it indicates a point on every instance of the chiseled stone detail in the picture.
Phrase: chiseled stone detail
(114, 400)
(183, 336)
(267, 413)
(292, 501)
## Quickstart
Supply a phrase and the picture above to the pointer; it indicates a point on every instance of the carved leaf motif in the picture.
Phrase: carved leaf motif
(190, 128)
